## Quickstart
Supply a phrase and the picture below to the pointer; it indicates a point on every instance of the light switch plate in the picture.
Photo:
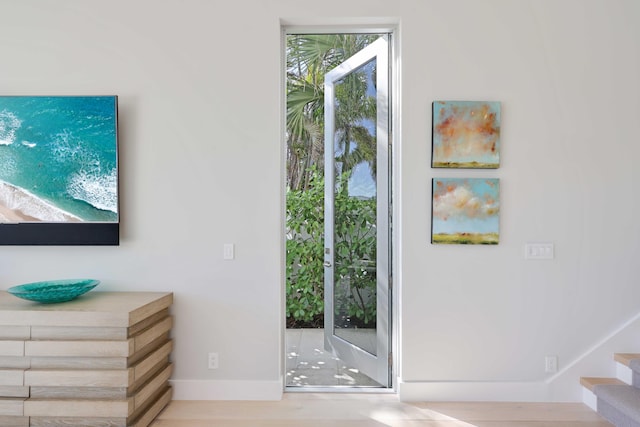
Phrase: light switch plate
(539, 251)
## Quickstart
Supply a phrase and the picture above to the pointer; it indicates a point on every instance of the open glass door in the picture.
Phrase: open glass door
(357, 206)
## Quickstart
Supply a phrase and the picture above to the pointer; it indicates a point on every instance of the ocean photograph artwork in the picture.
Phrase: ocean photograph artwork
(466, 134)
(58, 159)
(466, 211)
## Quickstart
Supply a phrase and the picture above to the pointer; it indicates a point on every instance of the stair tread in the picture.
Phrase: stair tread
(624, 398)
(625, 358)
(591, 382)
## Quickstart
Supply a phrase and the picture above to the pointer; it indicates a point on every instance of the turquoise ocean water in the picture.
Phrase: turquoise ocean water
(63, 150)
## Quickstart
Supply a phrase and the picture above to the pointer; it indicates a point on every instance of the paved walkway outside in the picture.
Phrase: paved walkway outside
(308, 364)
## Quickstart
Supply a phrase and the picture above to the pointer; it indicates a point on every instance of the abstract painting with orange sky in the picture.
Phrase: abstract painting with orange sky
(465, 211)
(466, 134)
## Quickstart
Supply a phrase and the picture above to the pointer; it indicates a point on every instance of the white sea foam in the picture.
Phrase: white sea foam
(65, 146)
(100, 191)
(9, 123)
(20, 200)
(29, 144)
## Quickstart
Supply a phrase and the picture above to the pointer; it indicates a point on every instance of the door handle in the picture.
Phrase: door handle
(327, 264)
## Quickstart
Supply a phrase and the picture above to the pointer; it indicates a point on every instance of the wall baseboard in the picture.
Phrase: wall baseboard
(226, 390)
(463, 391)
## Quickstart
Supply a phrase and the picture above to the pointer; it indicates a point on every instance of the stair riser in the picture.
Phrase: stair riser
(624, 373)
(589, 399)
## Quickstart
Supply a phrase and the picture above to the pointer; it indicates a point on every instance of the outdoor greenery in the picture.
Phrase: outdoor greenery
(355, 254)
(305, 245)
(309, 58)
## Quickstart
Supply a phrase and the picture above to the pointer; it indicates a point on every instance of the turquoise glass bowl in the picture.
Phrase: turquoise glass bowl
(53, 291)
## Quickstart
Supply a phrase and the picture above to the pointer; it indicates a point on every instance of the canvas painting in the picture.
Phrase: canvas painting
(466, 134)
(58, 170)
(465, 211)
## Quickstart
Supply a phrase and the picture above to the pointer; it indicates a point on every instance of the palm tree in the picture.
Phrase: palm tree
(309, 58)
(355, 142)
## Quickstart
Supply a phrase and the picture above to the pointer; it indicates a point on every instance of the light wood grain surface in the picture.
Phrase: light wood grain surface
(590, 382)
(101, 360)
(94, 309)
(625, 358)
(367, 410)
(11, 421)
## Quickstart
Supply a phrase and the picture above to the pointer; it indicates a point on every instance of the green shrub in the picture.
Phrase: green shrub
(305, 244)
(354, 258)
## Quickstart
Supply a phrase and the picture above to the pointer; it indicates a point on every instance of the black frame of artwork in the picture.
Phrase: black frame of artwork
(60, 234)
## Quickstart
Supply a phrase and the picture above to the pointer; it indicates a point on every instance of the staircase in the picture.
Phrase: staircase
(616, 399)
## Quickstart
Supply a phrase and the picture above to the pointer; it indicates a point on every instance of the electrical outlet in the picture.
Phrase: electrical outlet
(213, 360)
(229, 251)
(551, 364)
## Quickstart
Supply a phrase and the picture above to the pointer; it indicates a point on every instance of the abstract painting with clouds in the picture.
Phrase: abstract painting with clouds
(465, 211)
(466, 134)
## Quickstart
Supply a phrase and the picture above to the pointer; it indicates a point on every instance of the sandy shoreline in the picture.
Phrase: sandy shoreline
(18, 205)
(10, 215)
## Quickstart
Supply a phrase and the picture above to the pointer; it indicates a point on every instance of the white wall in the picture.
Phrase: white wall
(201, 165)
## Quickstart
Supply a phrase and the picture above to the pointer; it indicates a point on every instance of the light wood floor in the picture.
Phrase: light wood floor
(373, 410)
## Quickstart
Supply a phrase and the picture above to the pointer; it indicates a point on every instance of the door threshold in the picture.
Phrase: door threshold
(340, 389)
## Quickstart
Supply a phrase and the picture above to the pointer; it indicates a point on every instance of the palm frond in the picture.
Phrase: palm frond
(299, 102)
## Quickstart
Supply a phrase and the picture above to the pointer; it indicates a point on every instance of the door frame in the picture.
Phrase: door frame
(291, 27)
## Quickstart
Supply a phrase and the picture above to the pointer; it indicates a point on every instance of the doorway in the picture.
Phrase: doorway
(338, 205)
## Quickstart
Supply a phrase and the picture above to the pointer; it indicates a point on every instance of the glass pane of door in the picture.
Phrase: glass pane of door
(356, 211)
(354, 297)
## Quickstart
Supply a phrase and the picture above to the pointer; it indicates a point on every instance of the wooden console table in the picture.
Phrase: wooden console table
(100, 360)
